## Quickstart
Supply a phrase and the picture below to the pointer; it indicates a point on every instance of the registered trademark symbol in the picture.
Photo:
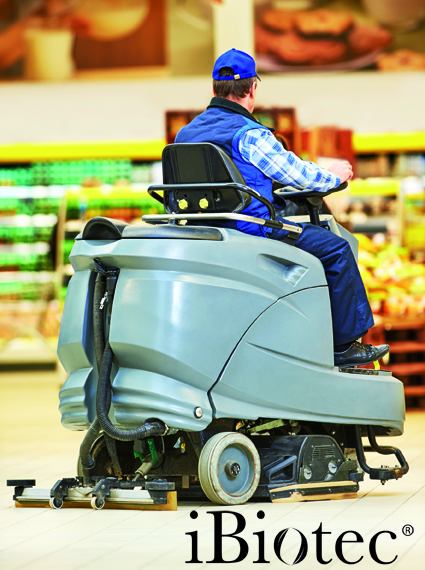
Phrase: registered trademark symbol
(408, 530)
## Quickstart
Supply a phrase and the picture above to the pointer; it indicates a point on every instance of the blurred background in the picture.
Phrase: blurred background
(92, 90)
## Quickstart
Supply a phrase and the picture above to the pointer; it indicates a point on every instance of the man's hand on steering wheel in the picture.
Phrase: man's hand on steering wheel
(342, 169)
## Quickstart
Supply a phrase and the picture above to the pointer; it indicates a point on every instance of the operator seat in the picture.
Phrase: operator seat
(200, 179)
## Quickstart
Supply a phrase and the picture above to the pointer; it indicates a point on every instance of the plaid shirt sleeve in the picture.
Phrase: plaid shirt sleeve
(260, 148)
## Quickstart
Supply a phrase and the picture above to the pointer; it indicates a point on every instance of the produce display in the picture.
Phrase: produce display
(390, 164)
(23, 318)
(28, 304)
(122, 203)
(31, 196)
(27, 218)
(395, 283)
(70, 172)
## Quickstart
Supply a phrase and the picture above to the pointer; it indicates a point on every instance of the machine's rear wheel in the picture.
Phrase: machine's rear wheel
(229, 468)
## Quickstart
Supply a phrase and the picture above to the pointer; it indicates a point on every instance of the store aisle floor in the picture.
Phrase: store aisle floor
(33, 444)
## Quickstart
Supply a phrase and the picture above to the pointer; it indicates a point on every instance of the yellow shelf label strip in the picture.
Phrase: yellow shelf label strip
(79, 193)
(389, 142)
(374, 187)
(39, 152)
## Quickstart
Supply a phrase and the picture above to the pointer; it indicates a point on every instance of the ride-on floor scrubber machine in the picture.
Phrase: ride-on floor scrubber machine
(201, 358)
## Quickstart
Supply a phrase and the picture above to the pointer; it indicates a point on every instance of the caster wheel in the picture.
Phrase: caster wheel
(229, 468)
(54, 505)
(97, 504)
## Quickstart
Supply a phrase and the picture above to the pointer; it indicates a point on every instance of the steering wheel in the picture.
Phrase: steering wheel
(313, 199)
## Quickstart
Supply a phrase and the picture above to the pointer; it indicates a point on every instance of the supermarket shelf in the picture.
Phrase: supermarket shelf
(406, 337)
(404, 347)
(407, 368)
(401, 324)
(33, 152)
(414, 391)
(374, 187)
(372, 225)
(25, 221)
(107, 191)
(388, 142)
(26, 352)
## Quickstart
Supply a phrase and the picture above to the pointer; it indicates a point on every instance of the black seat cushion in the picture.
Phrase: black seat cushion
(102, 228)
(106, 229)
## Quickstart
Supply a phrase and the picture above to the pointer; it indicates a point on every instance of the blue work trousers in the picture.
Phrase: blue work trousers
(351, 312)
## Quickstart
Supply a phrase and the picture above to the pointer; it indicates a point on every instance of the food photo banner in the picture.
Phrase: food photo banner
(53, 39)
(344, 35)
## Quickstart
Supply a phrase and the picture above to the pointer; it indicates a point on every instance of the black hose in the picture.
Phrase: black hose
(107, 279)
(99, 347)
(98, 328)
(102, 410)
(98, 325)
(86, 458)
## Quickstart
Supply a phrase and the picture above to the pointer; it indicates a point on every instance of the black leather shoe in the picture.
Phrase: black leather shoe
(358, 354)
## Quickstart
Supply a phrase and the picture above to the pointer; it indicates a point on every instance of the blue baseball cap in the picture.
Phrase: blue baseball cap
(243, 65)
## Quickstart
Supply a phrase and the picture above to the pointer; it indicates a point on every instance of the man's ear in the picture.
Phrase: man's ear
(252, 89)
(214, 93)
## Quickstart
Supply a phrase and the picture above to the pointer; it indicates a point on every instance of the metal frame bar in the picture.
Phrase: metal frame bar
(384, 473)
(166, 188)
(241, 217)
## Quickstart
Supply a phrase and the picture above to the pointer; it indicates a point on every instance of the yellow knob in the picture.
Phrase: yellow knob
(203, 203)
(183, 204)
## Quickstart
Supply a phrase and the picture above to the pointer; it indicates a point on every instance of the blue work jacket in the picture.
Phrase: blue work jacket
(224, 123)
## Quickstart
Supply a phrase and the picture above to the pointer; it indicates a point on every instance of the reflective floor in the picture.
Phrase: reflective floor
(34, 445)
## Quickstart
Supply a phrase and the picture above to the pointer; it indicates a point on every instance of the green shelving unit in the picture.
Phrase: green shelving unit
(32, 194)
(47, 194)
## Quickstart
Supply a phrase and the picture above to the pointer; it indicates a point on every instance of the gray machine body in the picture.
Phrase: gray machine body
(240, 328)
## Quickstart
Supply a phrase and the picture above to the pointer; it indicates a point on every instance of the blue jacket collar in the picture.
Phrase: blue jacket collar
(223, 103)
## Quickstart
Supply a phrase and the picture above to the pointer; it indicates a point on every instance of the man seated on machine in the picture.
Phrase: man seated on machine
(228, 123)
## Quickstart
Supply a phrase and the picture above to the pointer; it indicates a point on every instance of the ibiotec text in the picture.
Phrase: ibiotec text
(258, 547)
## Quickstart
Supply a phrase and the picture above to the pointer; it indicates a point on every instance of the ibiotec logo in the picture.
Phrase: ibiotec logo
(312, 540)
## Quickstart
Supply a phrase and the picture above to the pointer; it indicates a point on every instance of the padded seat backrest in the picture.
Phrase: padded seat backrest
(200, 178)
(198, 163)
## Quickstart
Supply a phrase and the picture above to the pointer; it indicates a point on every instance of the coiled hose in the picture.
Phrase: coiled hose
(104, 358)
(104, 388)
(86, 459)
(99, 347)
(104, 394)
(98, 328)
